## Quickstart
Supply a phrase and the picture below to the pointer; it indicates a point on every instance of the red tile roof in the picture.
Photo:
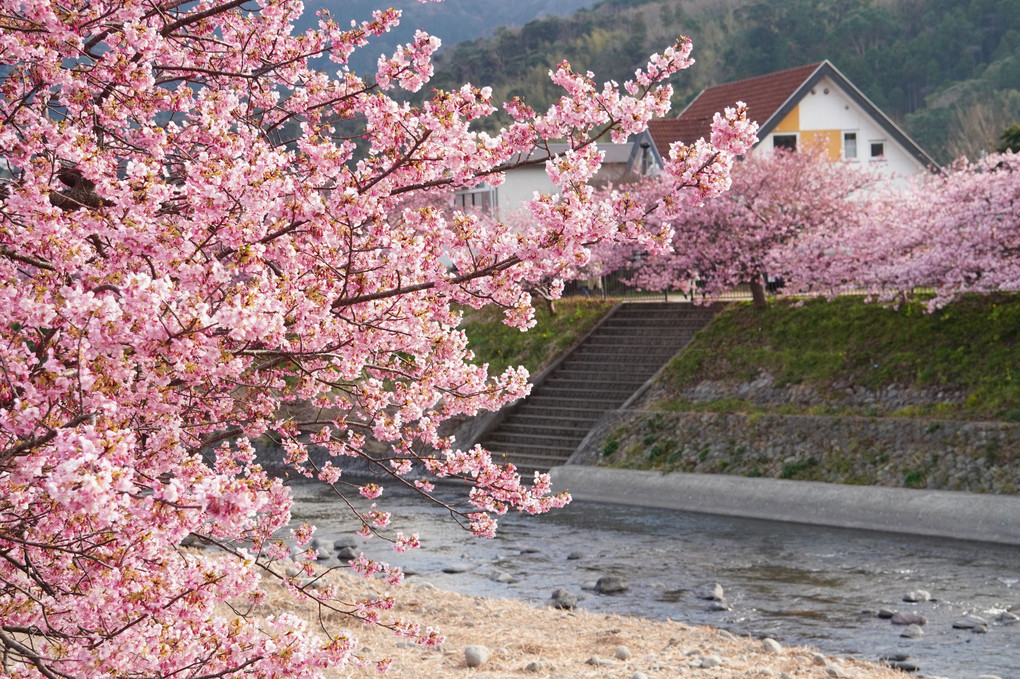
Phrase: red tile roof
(764, 96)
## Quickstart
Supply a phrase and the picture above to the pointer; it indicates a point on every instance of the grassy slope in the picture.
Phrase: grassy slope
(969, 347)
(967, 351)
(501, 346)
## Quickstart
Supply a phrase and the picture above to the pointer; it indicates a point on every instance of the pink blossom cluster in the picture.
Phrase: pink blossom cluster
(194, 254)
(828, 227)
(753, 229)
(954, 232)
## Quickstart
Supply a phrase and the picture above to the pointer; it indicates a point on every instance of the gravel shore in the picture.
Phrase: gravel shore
(514, 639)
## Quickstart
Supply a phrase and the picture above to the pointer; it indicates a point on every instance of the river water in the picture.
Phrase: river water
(798, 584)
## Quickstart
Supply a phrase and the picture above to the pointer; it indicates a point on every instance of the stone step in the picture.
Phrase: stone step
(614, 362)
(623, 328)
(661, 323)
(528, 464)
(537, 419)
(546, 427)
(573, 393)
(591, 382)
(641, 336)
(644, 316)
(624, 358)
(583, 366)
(558, 446)
(548, 400)
(543, 427)
(625, 353)
(564, 448)
(527, 451)
(597, 380)
(537, 406)
(650, 308)
(596, 376)
(577, 395)
(533, 428)
(639, 352)
(602, 370)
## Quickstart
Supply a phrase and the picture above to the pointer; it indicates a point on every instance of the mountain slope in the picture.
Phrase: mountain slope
(947, 70)
(452, 21)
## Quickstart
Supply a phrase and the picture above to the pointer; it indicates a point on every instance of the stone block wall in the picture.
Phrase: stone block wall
(969, 456)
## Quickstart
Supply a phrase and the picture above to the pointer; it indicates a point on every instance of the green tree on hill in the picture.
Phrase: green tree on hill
(1011, 138)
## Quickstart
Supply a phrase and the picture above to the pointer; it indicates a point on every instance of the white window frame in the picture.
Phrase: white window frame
(871, 149)
(857, 147)
(795, 135)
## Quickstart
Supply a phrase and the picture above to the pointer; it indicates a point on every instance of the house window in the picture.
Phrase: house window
(482, 198)
(850, 145)
(878, 149)
(784, 141)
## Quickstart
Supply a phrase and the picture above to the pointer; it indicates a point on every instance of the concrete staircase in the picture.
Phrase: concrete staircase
(600, 374)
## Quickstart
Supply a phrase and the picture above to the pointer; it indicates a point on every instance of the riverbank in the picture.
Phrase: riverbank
(801, 585)
(946, 514)
(522, 640)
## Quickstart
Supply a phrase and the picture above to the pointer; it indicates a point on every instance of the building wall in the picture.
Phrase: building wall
(521, 183)
(826, 113)
(520, 186)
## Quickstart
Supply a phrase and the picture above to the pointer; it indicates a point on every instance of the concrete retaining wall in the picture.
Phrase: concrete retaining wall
(958, 515)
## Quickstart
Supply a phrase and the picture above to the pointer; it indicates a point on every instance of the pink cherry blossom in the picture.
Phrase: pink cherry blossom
(758, 227)
(195, 255)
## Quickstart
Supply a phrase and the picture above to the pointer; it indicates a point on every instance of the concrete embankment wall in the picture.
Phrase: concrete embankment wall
(949, 514)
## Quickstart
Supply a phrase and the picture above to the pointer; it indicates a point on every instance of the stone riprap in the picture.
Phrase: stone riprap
(978, 457)
(765, 392)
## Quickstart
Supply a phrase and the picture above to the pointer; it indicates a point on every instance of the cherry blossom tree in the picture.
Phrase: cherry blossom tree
(966, 226)
(199, 227)
(750, 231)
(828, 228)
(954, 232)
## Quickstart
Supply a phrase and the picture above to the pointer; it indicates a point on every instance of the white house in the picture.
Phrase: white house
(621, 162)
(810, 104)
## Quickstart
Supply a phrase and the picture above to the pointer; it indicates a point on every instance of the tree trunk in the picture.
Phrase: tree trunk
(758, 295)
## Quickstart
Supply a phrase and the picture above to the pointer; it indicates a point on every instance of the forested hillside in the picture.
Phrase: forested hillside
(947, 70)
(452, 21)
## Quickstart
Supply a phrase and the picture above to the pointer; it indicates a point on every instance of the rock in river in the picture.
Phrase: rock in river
(971, 621)
(611, 584)
(712, 592)
(908, 618)
(912, 632)
(561, 598)
(462, 567)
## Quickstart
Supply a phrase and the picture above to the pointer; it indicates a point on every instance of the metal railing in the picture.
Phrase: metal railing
(611, 287)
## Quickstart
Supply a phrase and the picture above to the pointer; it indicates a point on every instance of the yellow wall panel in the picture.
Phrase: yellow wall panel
(830, 141)
(791, 123)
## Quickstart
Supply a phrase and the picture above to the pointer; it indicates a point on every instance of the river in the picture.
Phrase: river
(795, 583)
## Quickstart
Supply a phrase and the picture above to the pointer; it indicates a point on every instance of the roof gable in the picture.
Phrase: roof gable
(769, 99)
(764, 96)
